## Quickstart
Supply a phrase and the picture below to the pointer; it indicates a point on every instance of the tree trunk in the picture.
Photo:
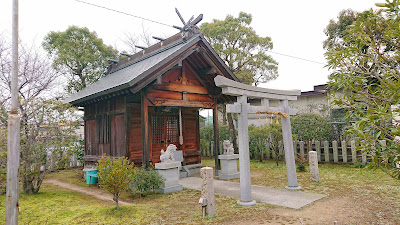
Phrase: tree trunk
(232, 133)
(309, 146)
(224, 114)
(116, 201)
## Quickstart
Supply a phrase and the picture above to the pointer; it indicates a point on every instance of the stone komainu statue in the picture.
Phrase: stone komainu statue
(228, 148)
(168, 155)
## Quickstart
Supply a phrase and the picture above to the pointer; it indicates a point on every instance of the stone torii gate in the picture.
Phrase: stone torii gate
(243, 91)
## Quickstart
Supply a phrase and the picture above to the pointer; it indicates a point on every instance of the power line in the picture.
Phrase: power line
(295, 57)
(128, 14)
(164, 24)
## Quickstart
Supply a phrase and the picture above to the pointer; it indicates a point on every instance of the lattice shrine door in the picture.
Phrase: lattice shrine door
(164, 130)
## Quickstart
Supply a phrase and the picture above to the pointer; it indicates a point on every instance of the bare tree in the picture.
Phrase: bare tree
(131, 40)
(40, 115)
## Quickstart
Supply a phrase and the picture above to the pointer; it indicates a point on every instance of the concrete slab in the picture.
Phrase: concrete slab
(273, 196)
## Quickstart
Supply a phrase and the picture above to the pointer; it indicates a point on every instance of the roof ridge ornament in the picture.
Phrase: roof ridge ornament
(190, 25)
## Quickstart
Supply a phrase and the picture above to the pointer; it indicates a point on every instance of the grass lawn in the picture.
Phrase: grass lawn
(359, 196)
(53, 205)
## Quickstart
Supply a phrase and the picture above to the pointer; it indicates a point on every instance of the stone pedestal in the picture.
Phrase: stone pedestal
(207, 189)
(170, 171)
(228, 167)
(313, 161)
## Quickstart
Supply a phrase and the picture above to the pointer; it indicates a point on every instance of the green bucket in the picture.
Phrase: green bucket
(91, 176)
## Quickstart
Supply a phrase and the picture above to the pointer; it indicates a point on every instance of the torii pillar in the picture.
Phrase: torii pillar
(243, 91)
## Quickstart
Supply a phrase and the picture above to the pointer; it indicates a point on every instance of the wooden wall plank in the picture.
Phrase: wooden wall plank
(190, 147)
(135, 144)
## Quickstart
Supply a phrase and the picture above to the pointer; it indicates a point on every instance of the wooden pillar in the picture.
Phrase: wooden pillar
(127, 129)
(216, 137)
(145, 129)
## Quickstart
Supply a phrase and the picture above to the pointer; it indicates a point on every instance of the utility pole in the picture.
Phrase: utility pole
(13, 142)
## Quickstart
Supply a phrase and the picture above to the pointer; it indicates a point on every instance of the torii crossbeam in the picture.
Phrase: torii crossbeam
(242, 108)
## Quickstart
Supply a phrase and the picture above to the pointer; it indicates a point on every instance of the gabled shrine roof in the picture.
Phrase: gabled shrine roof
(135, 72)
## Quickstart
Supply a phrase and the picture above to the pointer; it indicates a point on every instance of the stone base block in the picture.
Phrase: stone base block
(297, 188)
(251, 203)
(170, 172)
(228, 167)
(222, 176)
(192, 170)
(165, 190)
(183, 174)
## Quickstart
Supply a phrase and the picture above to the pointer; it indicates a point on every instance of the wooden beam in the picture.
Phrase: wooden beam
(154, 74)
(183, 103)
(145, 129)
(195, 74)
(181, 88)
(216, 138)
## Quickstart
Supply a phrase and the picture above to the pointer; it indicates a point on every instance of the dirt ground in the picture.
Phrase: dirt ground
(343, 209)
(354, 196)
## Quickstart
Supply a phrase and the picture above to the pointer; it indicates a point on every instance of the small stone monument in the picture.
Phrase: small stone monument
(313, 161)
(207, 190)
(169, 169)
(228, 162)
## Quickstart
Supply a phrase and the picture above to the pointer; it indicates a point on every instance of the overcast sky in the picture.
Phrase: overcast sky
(296, 27)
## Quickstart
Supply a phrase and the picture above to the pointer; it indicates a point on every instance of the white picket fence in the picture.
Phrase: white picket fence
(328, 152)
(72, 161)
(334, 152)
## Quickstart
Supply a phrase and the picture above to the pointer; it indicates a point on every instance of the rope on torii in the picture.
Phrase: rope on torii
(269, 112)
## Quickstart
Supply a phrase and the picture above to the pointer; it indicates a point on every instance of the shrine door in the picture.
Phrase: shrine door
(164, 130)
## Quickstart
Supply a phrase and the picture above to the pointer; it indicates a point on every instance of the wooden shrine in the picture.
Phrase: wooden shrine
(152, 99)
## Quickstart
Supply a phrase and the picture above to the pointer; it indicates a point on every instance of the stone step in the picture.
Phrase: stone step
(183, 174)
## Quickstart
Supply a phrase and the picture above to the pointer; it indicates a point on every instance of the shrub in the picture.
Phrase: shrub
(262, 136)
(115, 175)
(300, 163)
(79, 150)
(359, 165)
(146, 180)
(311, 126)
(207, 135)
(3, 172)
(207, 132)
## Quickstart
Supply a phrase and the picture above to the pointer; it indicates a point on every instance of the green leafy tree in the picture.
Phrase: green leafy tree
(366, 70)
(310, 126)
(336, 30)
(115, 175)
(79, 54)
(243, 51)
